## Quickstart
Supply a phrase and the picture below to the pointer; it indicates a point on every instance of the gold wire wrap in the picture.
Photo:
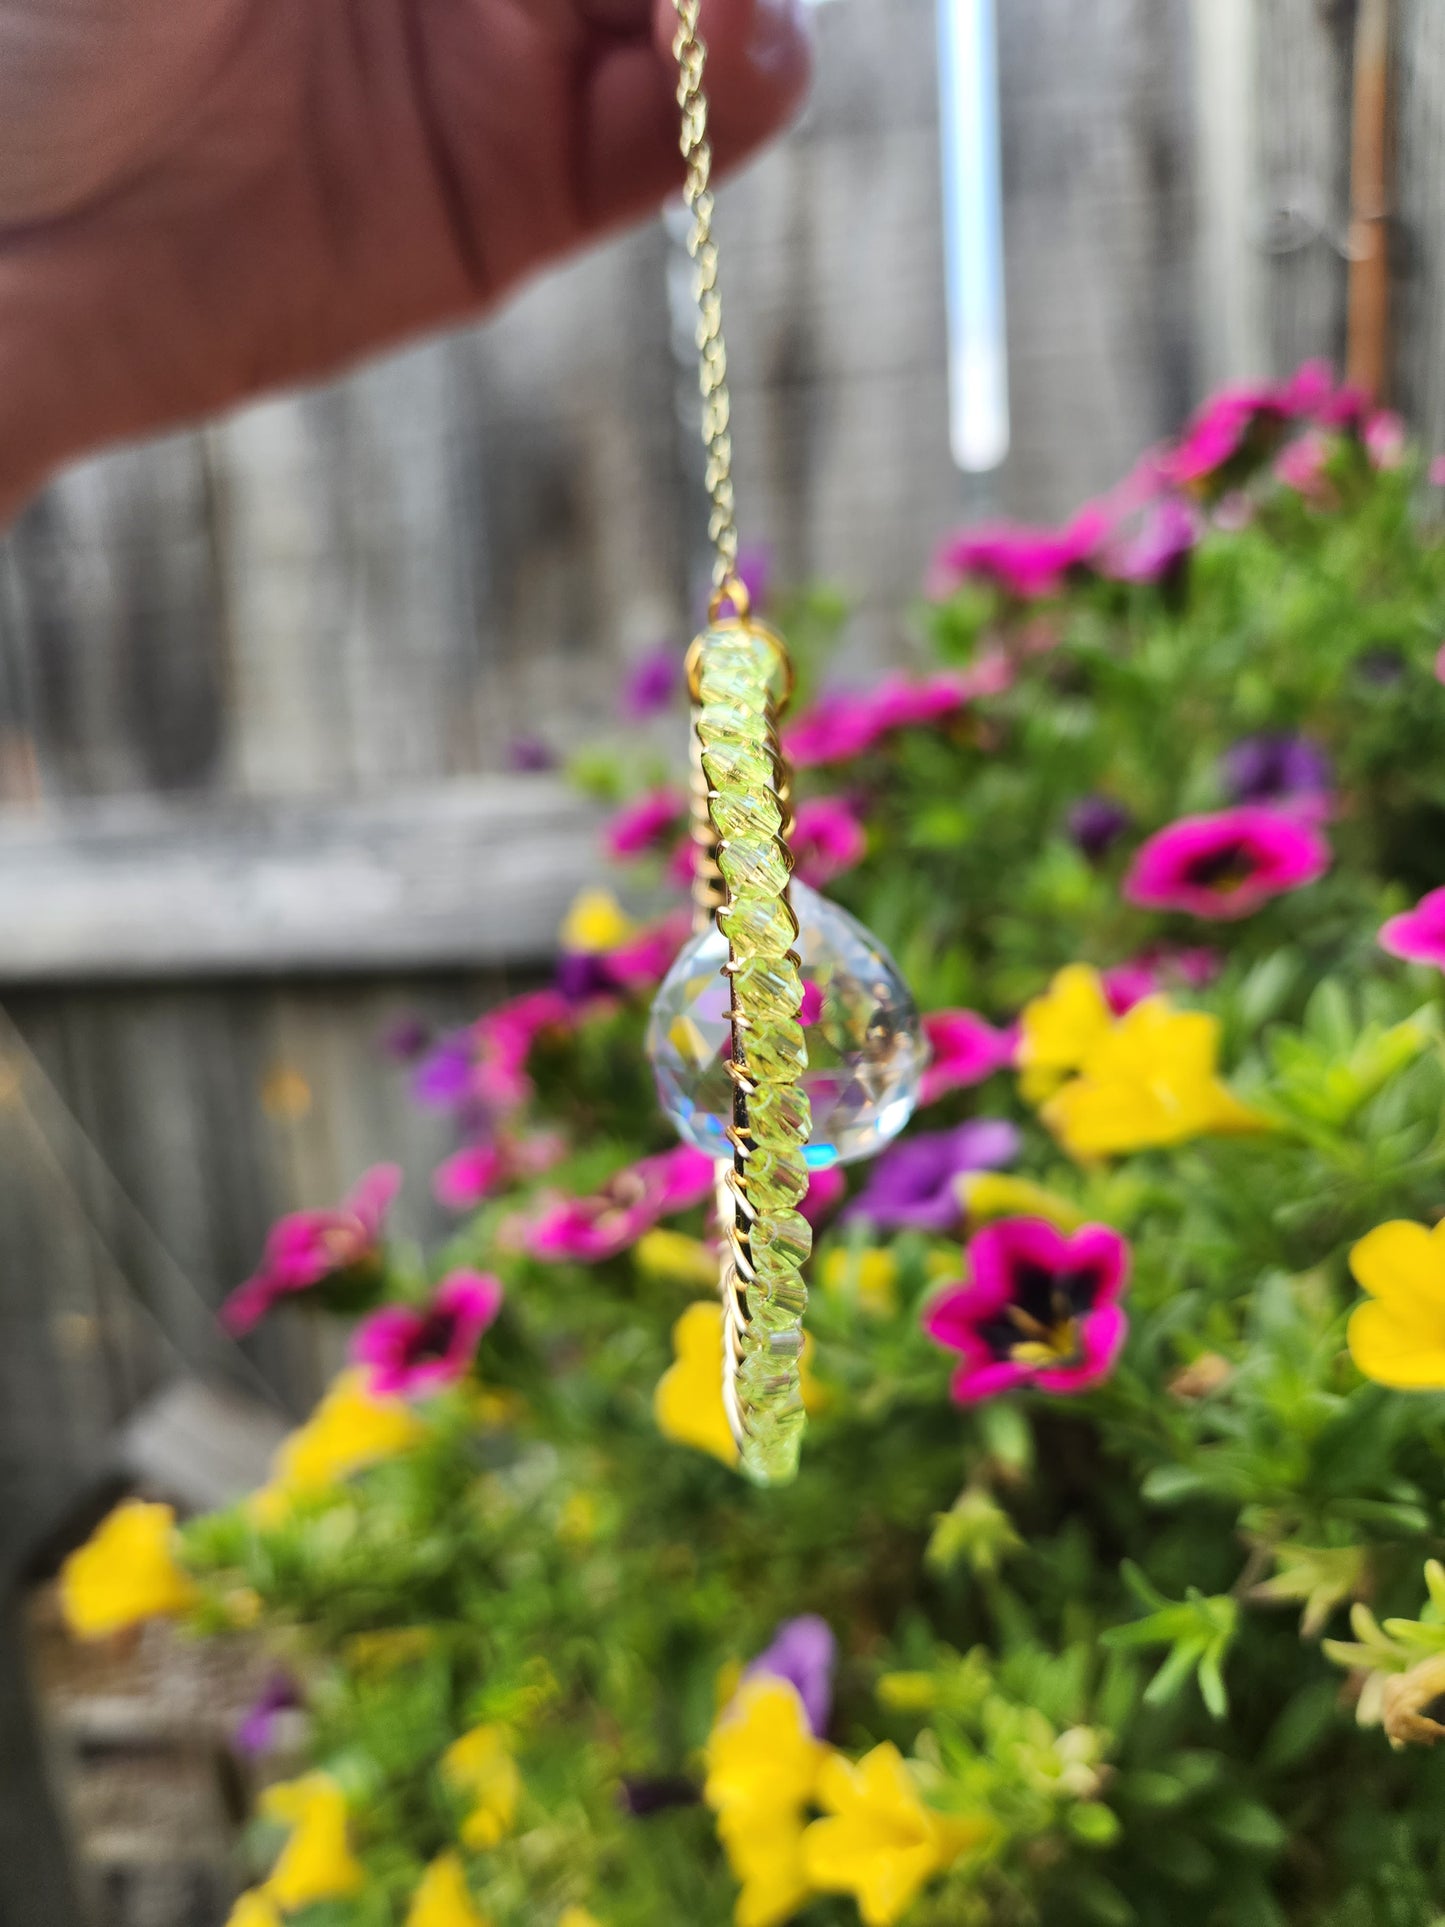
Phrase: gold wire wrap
(691, 55)
(740, 679)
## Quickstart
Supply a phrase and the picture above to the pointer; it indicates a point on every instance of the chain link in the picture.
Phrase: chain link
(691, 56)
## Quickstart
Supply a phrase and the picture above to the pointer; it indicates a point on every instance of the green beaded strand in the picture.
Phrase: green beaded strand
(768, 1240)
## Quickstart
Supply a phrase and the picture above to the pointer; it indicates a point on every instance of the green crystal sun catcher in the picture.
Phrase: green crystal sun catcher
(727, 1038)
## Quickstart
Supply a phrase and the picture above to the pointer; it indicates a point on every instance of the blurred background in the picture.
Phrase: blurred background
(266, 688)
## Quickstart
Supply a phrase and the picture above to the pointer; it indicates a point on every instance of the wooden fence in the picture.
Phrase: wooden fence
(257, 682)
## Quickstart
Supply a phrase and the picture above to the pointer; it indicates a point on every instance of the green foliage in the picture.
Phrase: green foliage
(1039, 1600)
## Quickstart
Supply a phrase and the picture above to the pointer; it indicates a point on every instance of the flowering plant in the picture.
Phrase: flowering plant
(1126, 1365)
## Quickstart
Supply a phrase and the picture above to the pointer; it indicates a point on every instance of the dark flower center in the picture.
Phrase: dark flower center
(432, 1338)
(1041, 1324)
(1223, 869)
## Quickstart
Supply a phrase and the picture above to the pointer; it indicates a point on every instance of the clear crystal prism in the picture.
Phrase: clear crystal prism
(866, 1051)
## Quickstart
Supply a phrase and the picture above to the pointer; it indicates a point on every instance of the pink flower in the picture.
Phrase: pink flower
(827, 840)
(411, 1353)
(308, 1246)
(843, 725)
(1161, 968)
(1436, 471)
(1027, 563)
(587, 1230)
(1226, 865)
(504, 1039)
(469, 1175)
(1303, 465)
(824, 1194)
(1386, 439)
(648, 820)
(1418, 935)
(966, 1049)
(644, 960)
(1041, 1308)
(837, 728)
(1219, 431)
(1440, 660)
(1164, 531)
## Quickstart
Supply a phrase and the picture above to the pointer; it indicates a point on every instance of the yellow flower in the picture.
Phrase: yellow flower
(673, 1255)
(316, 1863)
(762, 1769)
(688, 1403)
(442, 1898)
(1151, 1079)
(762, 1752)
(764, 1847)
(125, 1572)
(1398, 1337)
(1058, 1030)
(871, 1276)
(253, 1909)
(480, 1765)
(596, 922)
(578, 1520)
(350, 1429)
(880, 1842)
(993, 1194)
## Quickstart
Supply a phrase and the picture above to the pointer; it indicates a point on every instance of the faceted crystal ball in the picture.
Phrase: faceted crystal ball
(865, 1048)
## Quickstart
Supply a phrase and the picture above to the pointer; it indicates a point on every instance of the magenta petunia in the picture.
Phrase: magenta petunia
(1040, 1307)
(840, 725)
(965, 1049)
(644, 960)
(503, 1041)
(1228, 864)
(587, 1230)
(409, 1353)
(646, 822)
(1163, 967)
(469, 1175)
(307, 1247)
(1418, 935)
(1026, 563)
(827, 840)
(1151, 544)
(824, 1194)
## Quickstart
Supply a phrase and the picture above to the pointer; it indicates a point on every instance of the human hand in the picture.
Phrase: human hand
(199, 202)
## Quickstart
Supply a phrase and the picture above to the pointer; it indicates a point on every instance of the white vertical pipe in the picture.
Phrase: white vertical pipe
(973, 234)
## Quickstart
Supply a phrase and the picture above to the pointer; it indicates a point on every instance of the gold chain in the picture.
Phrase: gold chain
(691, 56)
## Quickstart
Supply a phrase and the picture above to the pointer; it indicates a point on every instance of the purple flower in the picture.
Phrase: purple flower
(803, 1652)
(1041, 1307)
(405, 1040)
(529, 755)
(411, 1353)
(442, 1080)
(256, 1733)
(1096, 823)
(651, 684)
(1226, 865)
(1165, 531)
(914, 1183)
(755, 572)
(1277, 768)
(1419, 934)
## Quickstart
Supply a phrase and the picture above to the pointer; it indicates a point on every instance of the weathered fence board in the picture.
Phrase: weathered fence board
(476, 872)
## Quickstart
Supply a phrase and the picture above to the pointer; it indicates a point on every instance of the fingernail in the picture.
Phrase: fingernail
(778, 27)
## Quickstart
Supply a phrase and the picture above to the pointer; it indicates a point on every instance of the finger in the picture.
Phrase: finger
(758, 62)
